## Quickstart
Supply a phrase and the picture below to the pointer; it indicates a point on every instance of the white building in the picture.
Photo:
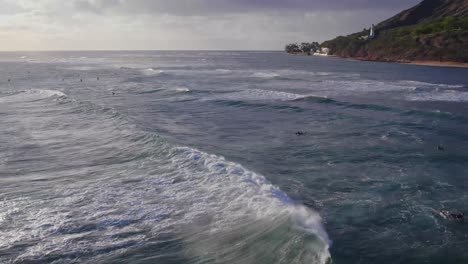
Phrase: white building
(372, 32)
(322, 52)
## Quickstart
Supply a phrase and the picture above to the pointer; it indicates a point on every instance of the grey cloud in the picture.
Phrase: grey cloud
(185, 24)
(96, 6)
(204, 7)
(10, 8)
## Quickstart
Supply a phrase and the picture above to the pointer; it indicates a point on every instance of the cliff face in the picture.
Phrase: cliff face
(432, 30)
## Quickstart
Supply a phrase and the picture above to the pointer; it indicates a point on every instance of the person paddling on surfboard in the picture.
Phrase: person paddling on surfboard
(459, 217)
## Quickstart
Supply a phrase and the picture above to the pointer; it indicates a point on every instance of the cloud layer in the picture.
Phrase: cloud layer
(204, 7)
(182, 24)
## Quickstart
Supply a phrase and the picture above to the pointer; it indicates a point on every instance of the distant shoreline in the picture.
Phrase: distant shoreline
(439, 64)
(452, 64)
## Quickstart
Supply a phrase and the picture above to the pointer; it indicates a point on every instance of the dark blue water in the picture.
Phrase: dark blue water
(193, 157)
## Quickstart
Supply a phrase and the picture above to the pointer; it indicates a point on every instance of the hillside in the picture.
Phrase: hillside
(434, 30)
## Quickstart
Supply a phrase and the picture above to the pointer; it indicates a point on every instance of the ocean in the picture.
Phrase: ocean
(230, 157)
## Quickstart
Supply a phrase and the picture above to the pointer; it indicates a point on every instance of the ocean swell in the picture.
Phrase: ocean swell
(31, 95)
(115, 189)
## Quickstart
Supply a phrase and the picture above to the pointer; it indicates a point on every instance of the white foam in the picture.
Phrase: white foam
(365, 86)
(323, 73)
(153, 71)
(182, 89)
(178, 191)
(248, 189)
(223, 71)
(259, 95)
(447, 95)
(295, 74)
(192, 195)
(266, 75)
(429, 85)
(31, 95)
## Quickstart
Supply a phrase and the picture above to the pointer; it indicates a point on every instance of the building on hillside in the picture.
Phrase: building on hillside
(322, 52)
(371, 34)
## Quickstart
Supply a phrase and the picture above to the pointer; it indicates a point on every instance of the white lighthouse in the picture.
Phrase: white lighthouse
(372, 32)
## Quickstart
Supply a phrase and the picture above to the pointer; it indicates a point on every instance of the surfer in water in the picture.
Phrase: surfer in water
(459, 217)
(300, 133)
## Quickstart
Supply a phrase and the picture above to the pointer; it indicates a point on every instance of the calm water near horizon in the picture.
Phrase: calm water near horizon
(193, 157)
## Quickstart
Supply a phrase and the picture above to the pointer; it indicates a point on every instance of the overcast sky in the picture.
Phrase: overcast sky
(183, 24)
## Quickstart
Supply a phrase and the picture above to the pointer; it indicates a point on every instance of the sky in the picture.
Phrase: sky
(183, 24)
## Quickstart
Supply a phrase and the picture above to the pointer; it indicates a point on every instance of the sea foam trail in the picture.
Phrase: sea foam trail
(288, 74)
(154, 72)
(445, 95)
(31, 95)
(119, 188)
(266, 75)
(425, 84)
(258, 95)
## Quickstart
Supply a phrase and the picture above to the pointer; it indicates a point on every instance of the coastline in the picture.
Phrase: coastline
(439, 64)
(452, 64)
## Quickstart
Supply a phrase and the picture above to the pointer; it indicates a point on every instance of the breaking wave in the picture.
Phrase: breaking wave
(447, 95)
(31, 95)
(266, 75)
(122, 189)
(258, 95)
(154, 72)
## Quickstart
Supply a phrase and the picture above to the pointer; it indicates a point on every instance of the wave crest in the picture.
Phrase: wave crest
(31, 95)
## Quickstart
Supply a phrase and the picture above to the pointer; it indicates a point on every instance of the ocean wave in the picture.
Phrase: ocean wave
(168, 90)
(447, 95)
(266, 75)
(430, 85)
(127, 187)
(254, 190)
(154, 72)
(223, 71)
(299, 75)
(31, 95)
(366, 86)
(258, 95)
(182, 89)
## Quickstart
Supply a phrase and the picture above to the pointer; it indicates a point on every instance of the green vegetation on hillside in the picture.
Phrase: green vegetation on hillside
(433, 30)
(304, 47)
(445, 39)
(446, 25)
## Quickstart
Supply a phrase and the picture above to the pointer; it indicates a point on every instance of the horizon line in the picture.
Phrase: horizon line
(134, 50)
